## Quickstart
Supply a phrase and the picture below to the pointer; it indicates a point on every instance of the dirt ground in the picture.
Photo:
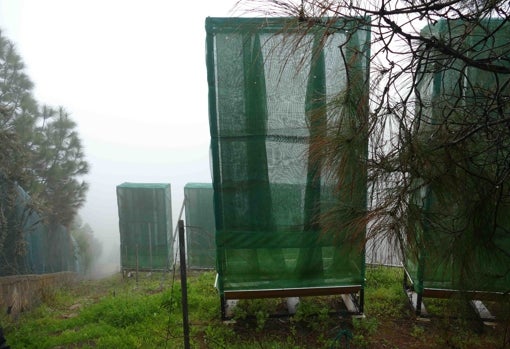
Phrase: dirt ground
(381, 332)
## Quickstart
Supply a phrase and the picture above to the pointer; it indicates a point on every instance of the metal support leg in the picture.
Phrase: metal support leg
(361, 300)
(419, 299)
(223, 305)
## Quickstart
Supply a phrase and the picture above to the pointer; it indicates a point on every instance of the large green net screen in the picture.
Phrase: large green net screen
(145, 225)
(462, 208)
(200, 226)
(28, 244)
(273, 87)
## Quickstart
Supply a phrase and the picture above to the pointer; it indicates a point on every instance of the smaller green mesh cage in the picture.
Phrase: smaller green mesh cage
(200, 226)
(461, 219)
(145, 225)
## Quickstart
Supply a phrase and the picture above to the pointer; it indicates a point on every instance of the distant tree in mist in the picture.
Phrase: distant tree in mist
(89, 247)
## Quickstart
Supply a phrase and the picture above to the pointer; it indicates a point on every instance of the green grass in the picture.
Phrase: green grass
(120, 313)
(112, 313)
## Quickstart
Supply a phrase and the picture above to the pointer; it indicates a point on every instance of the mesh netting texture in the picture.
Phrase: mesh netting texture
(145, 226)
(200, 226)
(464, 196)
(272, 89)
(28, 245)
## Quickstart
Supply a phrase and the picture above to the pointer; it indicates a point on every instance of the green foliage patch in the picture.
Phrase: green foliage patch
(121, 313)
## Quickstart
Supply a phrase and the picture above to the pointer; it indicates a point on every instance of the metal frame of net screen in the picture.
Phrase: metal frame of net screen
(273, 85)
(200, 226)
(452, 255)
(145, 226)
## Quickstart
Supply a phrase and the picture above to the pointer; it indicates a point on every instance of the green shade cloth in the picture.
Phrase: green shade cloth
(28, 245)
(461, 219)
(145, 225)
(200, 226)
(269, 95)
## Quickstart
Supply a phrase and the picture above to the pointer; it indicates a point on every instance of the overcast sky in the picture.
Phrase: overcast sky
(132, 75)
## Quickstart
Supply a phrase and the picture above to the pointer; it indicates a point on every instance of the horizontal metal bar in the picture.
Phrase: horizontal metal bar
(291, 292)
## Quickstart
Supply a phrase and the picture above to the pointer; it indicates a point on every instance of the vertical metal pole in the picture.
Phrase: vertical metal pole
(223, 304)
(419, 300)
(137, 264)
(150, 245)
(176, 231)
(362, 300)
(184, 287)
(124, 261)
